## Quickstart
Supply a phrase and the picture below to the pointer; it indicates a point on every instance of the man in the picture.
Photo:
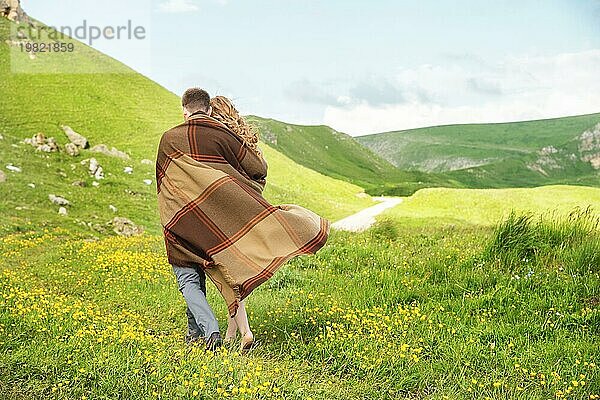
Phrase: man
(192, 280)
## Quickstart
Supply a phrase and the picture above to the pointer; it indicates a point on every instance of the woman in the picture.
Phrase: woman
(225, 112)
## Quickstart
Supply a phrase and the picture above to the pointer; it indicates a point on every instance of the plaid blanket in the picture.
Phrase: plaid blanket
(213, 213)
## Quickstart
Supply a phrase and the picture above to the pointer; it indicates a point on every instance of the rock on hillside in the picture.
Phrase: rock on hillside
(589, 146)
(586, 150)
(12, 10)
(125, 227)
(113, 152)
(75, 138)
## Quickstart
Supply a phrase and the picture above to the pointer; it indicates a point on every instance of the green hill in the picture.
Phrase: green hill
(527, 153)
(122, 109)
(338, 155)
(451, 147)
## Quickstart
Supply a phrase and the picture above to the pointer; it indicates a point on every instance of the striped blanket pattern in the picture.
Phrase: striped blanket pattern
(213, 214)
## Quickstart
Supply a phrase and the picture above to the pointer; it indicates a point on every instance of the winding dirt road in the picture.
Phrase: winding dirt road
(363, 219)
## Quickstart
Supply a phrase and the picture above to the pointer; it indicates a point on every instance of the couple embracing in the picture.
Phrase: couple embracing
(210, 175)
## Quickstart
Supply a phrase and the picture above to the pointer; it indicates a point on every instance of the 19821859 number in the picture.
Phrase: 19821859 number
(53, 47)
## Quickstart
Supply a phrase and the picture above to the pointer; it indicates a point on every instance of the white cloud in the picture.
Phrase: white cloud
(306, 91)
(178, 6)
(519, 88)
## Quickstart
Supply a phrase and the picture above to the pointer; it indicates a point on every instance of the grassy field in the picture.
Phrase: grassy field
(487, 207)
(24, 208)
(395, 312)
(436, 301)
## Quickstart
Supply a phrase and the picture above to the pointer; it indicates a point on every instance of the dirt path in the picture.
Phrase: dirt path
(365, 218)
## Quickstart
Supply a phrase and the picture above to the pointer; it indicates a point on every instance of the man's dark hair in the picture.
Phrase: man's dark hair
(195, 99)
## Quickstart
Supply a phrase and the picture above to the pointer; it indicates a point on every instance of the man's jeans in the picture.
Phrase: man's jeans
(192, 285)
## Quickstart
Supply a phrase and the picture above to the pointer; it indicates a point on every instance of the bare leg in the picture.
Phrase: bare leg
(241, 319)
(231, 329)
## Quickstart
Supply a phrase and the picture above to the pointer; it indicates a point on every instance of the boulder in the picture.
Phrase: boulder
(59, 201)
(93, 165)
(75, 138)
(72, 149)
(95, 169)
(52, 143)
(595, 161)
(12, 10)
(62, 211)
(545, 151)
(128, 170)
(99, 173)
(113, 152)
(41, 143)
(145, 161)
(13, 168)
(589, 146)
(45, 148)
(125, 227)
(590, 139)
(38, 139)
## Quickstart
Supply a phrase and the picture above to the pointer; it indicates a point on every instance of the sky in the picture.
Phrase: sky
(361, 66)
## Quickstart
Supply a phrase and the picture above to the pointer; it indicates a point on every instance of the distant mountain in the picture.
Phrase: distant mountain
(530, 153)
(338, 155)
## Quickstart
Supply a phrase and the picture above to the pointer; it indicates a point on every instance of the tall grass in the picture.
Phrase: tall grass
(571, 241)
(394, 312)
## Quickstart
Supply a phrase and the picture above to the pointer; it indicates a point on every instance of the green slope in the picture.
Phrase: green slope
(564, 164)
(495, 155)
(338, 155)
(451, 147)
(122, 109)
(516, 172)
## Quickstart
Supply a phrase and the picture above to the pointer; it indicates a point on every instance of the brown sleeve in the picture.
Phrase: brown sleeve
(255, 165)
(250, 166)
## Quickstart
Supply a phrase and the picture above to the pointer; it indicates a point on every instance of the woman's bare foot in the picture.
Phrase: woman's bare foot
(247, 342)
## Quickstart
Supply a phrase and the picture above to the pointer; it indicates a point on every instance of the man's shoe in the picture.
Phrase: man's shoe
(192, 337)
(214, 342)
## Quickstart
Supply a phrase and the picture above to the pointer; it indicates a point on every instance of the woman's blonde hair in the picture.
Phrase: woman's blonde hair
(224, 111)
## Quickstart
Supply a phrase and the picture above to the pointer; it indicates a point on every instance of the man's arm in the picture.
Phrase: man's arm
(246, 162)
(254, 164)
